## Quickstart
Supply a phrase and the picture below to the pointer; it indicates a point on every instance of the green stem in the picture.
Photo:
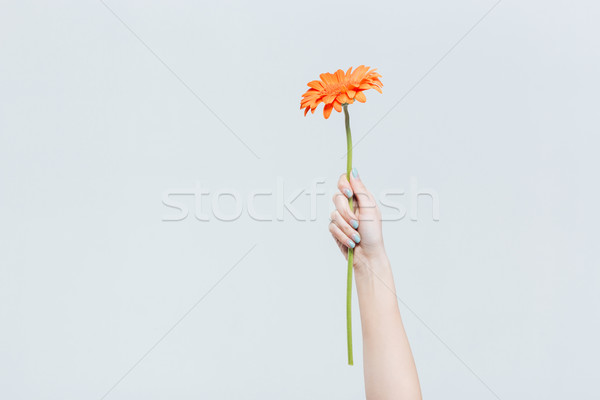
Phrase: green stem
(350, 251)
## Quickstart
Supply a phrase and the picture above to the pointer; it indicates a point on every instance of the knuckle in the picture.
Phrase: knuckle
(345, 214)
(349, 231)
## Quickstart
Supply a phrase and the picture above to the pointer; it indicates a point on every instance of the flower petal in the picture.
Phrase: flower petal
(327, 110)
(315, 85)
(343, 98)
(337, 106)
(359, 73)
(329, 98)
(360, 96)
(327, 78)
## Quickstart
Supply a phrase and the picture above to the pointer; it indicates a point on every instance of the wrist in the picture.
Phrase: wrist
(376, 262)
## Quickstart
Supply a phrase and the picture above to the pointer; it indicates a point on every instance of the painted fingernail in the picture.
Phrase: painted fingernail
(354, 223)
(348, 193)
(355, 172)
(356, 238)
(351, 244)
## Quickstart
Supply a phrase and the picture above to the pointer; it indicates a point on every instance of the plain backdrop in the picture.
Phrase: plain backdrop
(106, 108)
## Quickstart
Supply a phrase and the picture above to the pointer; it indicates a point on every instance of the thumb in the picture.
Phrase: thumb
(363, 197)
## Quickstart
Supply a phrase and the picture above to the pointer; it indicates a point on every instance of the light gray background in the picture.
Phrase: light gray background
(95, 129)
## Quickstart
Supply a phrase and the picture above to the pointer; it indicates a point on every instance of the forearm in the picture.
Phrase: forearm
(389, 368)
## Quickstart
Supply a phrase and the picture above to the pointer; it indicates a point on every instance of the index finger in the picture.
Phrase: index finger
(345, 186)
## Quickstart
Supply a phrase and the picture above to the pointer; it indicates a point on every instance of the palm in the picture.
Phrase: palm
(369, 217)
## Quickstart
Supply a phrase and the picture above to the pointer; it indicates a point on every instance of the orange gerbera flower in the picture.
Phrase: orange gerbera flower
(338, 89)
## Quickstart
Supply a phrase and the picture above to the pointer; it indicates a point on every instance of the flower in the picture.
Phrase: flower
(339, 89)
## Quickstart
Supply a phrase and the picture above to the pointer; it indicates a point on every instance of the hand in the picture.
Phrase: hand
(360, 229)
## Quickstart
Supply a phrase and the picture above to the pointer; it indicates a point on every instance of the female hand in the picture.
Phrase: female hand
(360, 229)
(389, 367)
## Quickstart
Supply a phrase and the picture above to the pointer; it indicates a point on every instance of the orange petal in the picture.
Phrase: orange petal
(348, 76)
(315, 85)
(343, 98)
(329, 98)
(327, 78)
(306, 111)
(359, 72)
(327, 110)
(311, 93)
(337, 106)
(315, 101)
(360, 96)
(306, 102)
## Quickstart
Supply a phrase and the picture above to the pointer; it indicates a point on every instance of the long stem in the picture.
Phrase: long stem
(350, 250)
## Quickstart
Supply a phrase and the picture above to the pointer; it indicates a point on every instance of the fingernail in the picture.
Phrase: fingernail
(348, 193)
(356, 238)
(354, 223)
(351, 244)
(355, 172)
